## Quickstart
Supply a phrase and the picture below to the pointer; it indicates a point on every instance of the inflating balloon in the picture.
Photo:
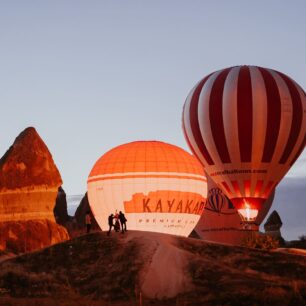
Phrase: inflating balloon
(246, 125)
(220, 221)
(159, 187)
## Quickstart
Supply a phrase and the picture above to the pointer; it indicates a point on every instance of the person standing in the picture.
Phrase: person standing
(110, 223)
(88, 221)
(122, 221)
(117, 224)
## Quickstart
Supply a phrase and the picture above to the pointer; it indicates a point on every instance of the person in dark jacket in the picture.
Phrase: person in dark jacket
(122, 221)
(110, 223)
(88, 221)
(117, 223)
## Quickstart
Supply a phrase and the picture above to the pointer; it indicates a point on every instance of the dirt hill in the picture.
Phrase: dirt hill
(160, 269)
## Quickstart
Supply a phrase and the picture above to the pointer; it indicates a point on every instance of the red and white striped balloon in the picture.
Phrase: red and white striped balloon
(246, 125)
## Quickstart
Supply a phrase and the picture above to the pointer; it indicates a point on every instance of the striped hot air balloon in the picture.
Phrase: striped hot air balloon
(246, 125)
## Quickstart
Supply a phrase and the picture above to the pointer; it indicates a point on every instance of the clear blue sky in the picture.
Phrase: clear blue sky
(90, 75)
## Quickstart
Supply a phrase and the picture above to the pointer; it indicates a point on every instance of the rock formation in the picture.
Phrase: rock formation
(60, 209)
(28, 162)
(29, 182)
(81, 212)
(273, 225)
(29, 235)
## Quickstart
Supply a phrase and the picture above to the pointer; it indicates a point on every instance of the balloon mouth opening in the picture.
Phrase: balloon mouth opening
(247, 213)
(248, 208)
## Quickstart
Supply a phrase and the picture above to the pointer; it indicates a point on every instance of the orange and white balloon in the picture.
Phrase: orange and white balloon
(158, 186)
(246, 125)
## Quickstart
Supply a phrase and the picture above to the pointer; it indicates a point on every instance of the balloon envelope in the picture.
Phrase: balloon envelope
(222, 223)
(159, 187)
(246, 125)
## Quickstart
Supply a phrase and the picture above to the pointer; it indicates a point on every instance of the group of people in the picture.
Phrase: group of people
(117, 221)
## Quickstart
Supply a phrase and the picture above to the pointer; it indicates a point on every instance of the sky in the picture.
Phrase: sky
(90, 75)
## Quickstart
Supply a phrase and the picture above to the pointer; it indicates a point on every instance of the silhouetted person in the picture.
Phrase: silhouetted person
(88, 221)
(117, 224)
(110, 223)
(122, 221)
(116, 215)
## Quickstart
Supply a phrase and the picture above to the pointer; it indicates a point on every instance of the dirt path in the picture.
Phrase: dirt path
(293, 251)
(164, 275)
(4, 257)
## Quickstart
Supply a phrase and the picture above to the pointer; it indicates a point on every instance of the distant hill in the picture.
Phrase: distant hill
(96, 269)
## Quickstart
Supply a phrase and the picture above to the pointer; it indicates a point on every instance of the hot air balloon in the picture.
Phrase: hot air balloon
(158, 186)
(220, 222)
(246, 125)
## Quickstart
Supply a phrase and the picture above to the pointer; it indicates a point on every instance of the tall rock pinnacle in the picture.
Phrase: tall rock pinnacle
(27, 163)
(29, 182)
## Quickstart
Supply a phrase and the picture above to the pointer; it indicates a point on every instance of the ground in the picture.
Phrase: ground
(141, 268)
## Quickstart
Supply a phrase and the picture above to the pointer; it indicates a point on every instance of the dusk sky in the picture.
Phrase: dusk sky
(90, 75)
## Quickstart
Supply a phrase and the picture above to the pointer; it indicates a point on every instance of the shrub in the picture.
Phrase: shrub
(259, 241)
(302, 238)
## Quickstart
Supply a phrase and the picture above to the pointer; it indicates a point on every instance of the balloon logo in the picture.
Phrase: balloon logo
(216, 200)
(246, 125)
(159, 187)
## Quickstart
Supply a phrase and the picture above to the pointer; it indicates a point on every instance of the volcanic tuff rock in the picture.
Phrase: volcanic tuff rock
(30, 235)
(60, 209)
(29, 181)
(274, 222)
(27, 163)
(273, 225)
(81, 212)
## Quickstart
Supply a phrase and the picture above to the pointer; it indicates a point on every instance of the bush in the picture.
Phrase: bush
(259, 241)
(302, 238)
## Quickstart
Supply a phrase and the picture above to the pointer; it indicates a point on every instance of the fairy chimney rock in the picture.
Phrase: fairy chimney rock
(60, 208)
(29, 179)
(81, 212)
(273, 225)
